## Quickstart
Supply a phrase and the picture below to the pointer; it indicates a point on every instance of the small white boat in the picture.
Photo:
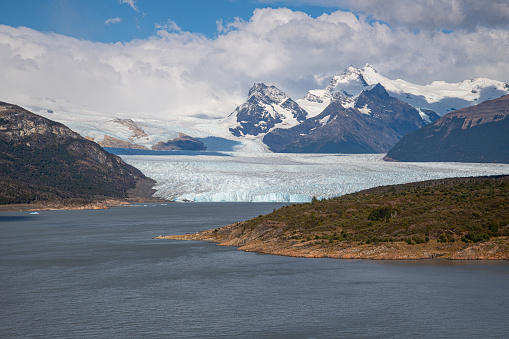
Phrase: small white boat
(34, 213)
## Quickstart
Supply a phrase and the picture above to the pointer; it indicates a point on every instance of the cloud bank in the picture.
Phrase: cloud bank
(181, 73)
(437, 14)
(422, 14)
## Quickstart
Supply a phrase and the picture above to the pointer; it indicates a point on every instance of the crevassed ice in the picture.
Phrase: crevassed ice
(271, 177)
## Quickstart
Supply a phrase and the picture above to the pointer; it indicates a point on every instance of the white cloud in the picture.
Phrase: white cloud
(181, 73)
(131, 3)
(230, 26)
(169, 26)
(113, 21)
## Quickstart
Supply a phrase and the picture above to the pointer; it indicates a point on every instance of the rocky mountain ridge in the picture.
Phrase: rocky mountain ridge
(439, 96)
(474, 134)
(372, 124)
(44, 160)
(265, 108)
(373, 128)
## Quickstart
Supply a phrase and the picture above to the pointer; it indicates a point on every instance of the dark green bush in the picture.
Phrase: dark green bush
(380, 213)
(493, 226)
(475, 237)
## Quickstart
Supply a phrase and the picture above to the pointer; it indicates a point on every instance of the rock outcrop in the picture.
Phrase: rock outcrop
(182, 143)
(117, 143)
(138, 132)
(266, 239)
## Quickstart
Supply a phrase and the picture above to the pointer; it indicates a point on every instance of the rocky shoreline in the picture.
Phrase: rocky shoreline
(142, 193)
(266, 239)
(111, 203)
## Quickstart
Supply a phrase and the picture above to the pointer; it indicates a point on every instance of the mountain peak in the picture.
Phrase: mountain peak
(368, 66)
(379, 91)
(267, 93)
(258, 87)
(439, 96)
(265, 108)
(358, 71)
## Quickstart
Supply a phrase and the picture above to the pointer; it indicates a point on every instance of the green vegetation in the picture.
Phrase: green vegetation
(42, 161)
(446, 211)
(53, 173)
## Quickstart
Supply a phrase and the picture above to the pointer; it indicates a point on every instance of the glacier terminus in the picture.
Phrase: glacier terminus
(287, 177)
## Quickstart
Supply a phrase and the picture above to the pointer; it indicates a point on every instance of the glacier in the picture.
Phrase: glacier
(285, 177)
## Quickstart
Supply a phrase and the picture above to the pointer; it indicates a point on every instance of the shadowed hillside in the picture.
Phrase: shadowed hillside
(42, 160)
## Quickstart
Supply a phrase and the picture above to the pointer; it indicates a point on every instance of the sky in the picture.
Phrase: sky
(200, 57)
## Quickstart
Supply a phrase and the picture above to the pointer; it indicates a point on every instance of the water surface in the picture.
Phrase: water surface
(99, 274)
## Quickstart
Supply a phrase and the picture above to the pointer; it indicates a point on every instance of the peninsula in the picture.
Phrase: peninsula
(457, 218)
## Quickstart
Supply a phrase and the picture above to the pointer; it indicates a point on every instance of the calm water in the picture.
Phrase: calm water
(99, 274)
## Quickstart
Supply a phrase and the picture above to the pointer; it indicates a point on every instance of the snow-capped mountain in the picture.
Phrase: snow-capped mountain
(371, 123)
(439, 96)
(265, 108)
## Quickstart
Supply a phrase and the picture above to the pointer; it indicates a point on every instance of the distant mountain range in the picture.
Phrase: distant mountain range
(43, 160)
(439, 96)
(343, 117)
(360, 111)
(372, 124)
(474, 134)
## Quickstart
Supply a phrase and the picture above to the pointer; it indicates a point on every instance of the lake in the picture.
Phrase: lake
(100, 274)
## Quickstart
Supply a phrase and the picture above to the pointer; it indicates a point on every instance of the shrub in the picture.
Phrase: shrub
(380, 213)
(419, 240)
(475, 237)
(493, 226)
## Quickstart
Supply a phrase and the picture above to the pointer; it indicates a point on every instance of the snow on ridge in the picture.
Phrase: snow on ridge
(439, 96)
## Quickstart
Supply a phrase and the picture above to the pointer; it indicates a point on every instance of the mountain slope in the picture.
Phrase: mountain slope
(265, 108)
(44, 160)
(439, 96)
(373, 123)
(474, 134)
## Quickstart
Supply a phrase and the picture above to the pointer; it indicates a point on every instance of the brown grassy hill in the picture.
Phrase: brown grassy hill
(460, 218)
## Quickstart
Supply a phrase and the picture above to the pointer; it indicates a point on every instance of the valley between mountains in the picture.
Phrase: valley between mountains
(324, 150)
(358, 111)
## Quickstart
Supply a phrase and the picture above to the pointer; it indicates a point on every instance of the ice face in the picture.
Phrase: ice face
(272, 177)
